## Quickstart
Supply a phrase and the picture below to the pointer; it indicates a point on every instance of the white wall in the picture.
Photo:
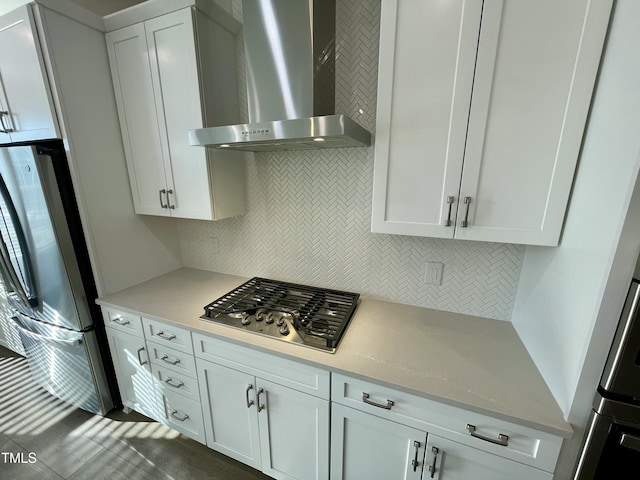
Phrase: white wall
(569, 298)
(125, 248)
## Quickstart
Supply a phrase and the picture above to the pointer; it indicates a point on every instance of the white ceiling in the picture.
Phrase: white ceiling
(105, 7)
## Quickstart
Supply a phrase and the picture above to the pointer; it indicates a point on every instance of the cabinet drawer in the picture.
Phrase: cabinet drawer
(125, 322)
(184, 415)
(171, 381)
(170, 335)
(526, 445)
(180, 362)
(303, 378)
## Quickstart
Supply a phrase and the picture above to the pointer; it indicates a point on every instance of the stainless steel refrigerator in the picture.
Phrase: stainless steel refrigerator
(45, 268)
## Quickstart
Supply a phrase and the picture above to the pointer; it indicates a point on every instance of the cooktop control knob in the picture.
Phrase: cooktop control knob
(246, 319)
(269, 318)
(280, 321)
(284, 329)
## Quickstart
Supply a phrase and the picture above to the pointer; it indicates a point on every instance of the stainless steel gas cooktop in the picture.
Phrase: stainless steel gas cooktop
(309, 316)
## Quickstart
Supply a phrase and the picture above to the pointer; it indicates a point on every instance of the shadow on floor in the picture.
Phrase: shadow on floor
(43, 438)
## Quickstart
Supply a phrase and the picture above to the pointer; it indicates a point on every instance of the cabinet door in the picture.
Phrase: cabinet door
(294, 433)
(536, 67)
(448, 460)
(427, 57)
(133, 372)
(230, 413)
(129, 61)
(365, 446)
(176, 86)
(24, 88)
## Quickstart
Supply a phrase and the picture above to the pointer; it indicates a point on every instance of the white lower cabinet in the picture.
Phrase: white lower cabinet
(231, 420)
(264, 410)
(379, 432)
(155, 379)
(448, 460)
(294, 433)
(295, 421)
(131, 362)
(276, 429)
(176, 385)
(365, 446)
(182, 414)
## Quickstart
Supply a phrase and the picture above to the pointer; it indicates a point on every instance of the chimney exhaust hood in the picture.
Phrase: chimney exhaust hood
(290, 70)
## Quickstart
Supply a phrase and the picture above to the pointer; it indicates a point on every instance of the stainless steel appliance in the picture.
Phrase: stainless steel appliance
(45, 268)
(290, 64)
(310, 316)
(612, 444)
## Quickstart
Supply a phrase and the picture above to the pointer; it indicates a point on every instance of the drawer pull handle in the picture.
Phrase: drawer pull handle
(501, 440)
(365, 399)
(165, 358)
(177, 416)
(432, 467)
(161, 334)
(120, 321)
(260, 405)
(169, 381)
(415, 462)
(246, 394)
(140, 350)
(450, 201)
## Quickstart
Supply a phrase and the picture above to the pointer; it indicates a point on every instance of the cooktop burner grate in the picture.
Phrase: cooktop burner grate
(297, 313)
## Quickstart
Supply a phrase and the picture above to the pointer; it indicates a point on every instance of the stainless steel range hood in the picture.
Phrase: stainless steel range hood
(290, 70)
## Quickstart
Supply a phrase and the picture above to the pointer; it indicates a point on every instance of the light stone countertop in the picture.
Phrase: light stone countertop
(471, 362)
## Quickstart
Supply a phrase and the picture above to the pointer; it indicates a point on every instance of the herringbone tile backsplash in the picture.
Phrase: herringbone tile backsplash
(309, 212)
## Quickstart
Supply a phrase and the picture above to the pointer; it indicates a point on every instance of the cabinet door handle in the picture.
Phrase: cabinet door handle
(165, 358)
(432, 467)
(160, 193)
(501, 440)
(161, 334)
(4, 128)
(176, 415)
(415, 462)
(465, 223)
(162, 203)
(246, 394)
(170, 192)
(169, 381)
(365, 399)
(260, 405)
(140, 350)
(450, 201)
(120, 321)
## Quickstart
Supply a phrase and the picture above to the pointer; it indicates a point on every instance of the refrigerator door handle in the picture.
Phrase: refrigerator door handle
(30, 298)
(43, 338)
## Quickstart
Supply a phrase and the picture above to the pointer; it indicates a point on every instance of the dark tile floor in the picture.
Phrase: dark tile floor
(69, 443)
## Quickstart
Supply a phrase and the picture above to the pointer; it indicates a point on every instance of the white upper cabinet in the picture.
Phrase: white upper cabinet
(481, 111)
(26, 108)
(427, 56)
(157, 68)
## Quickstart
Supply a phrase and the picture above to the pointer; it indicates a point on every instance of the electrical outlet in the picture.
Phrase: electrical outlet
(433, 273)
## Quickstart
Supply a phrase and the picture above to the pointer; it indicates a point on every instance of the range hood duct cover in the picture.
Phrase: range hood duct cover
(290, 70)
